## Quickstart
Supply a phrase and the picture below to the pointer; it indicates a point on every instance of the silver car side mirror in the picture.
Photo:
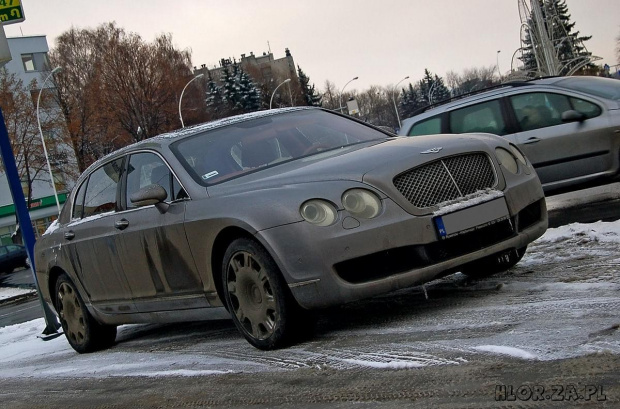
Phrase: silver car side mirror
(572, 116)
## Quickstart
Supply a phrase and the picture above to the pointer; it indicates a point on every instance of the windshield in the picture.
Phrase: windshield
(601, 87)
(231, 151)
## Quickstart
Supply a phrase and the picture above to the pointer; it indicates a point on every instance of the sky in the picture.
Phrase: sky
(379, 42)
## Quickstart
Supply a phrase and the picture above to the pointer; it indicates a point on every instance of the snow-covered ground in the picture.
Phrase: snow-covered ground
(561, 301)
(7, 292)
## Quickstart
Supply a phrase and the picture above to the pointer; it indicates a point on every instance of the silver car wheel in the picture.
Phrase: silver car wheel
(70, 312)
(251, 295)
(82, 331)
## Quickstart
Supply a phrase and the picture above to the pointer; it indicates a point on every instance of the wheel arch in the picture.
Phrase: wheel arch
(54, 275)
(221, 243)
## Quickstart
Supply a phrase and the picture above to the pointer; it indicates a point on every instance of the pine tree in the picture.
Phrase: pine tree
(571, 52)
(432, 88)
(410, 101)
(249, 95)
(311, 97)
(567, 44)
(230, 88)
(214, 98)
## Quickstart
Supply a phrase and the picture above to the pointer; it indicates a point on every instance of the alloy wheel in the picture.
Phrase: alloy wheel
(251, 295)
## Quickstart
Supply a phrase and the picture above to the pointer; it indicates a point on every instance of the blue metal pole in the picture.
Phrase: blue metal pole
(25, 224)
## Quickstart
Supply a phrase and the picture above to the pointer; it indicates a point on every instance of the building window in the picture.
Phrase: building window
(28, 60)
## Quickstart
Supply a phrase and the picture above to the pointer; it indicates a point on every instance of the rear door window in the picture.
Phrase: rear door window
(536, 110)
(484, 117)
(427, 127)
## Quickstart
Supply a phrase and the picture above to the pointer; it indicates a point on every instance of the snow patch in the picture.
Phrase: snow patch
(504, 350)
(608, 232)
(473, 199)
(6, 292)
(180, 372)
(52, 227)
(385, 365)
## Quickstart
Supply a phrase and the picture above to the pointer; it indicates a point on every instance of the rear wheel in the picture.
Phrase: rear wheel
(261, 305)
(495, 263)
(83, 332)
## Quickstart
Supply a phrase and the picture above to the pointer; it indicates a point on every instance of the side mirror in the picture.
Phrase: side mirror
(151, 195)
(573, 116)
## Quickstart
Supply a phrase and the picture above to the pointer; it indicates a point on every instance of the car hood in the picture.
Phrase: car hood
(362, 163)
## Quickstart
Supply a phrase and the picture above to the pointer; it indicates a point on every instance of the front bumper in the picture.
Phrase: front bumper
(355, 259)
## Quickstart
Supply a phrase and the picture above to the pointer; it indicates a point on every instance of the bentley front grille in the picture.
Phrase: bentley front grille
(446, 179)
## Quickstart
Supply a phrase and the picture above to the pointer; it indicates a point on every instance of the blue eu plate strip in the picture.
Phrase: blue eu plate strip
(440, 227)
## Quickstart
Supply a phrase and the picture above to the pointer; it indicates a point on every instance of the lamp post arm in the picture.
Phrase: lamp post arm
(274, 92)
(342, 91)
(394, 100)
(181, 97)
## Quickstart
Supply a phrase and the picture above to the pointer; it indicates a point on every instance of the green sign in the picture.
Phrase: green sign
(11, 11)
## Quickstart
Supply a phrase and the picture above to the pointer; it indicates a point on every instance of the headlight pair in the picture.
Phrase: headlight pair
(360, 203)
(510, 159)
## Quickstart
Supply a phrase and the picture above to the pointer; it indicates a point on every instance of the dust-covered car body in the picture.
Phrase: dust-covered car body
(277, 213)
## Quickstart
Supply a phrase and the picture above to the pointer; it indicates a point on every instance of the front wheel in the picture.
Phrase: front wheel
(261, 305)
(495, 263)
(82, 331)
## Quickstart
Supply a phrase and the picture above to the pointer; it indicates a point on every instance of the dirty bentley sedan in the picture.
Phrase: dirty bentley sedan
(277, 213)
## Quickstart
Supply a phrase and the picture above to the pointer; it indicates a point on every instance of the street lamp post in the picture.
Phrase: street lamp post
(342, 90)
(274, 92)
(181, 97)
(394, 99)
(497, 65)
(47, 159)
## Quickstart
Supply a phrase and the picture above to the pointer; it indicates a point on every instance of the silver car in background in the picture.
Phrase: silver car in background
(277, 213)
(568, 127)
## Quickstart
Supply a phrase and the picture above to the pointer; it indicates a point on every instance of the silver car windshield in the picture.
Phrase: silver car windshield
(224, 153)
(601, 87)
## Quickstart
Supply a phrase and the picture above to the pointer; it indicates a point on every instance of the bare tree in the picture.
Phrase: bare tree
(618, 49)
(142, 83)
(116, 88)
(331, 96)
(472, 79)
(21, 121)
(376, 106)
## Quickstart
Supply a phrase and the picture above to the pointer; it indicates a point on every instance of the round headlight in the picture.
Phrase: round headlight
(361, 203)
(515, 151)
(319, 212)
(507, 160)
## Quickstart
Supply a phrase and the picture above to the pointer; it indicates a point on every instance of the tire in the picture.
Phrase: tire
(258, 299)
(82, 331)
(494, 264)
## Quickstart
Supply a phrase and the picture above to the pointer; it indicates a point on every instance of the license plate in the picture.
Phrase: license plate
(471, 218)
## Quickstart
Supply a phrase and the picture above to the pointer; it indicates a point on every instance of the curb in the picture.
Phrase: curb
(605, 210)
(19, 298)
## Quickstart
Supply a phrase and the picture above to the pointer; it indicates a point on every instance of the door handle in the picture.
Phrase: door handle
(69, 235)
(121, 224)
(532, 140)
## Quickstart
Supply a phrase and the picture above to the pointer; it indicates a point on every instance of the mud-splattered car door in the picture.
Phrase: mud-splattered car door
(155, 253)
